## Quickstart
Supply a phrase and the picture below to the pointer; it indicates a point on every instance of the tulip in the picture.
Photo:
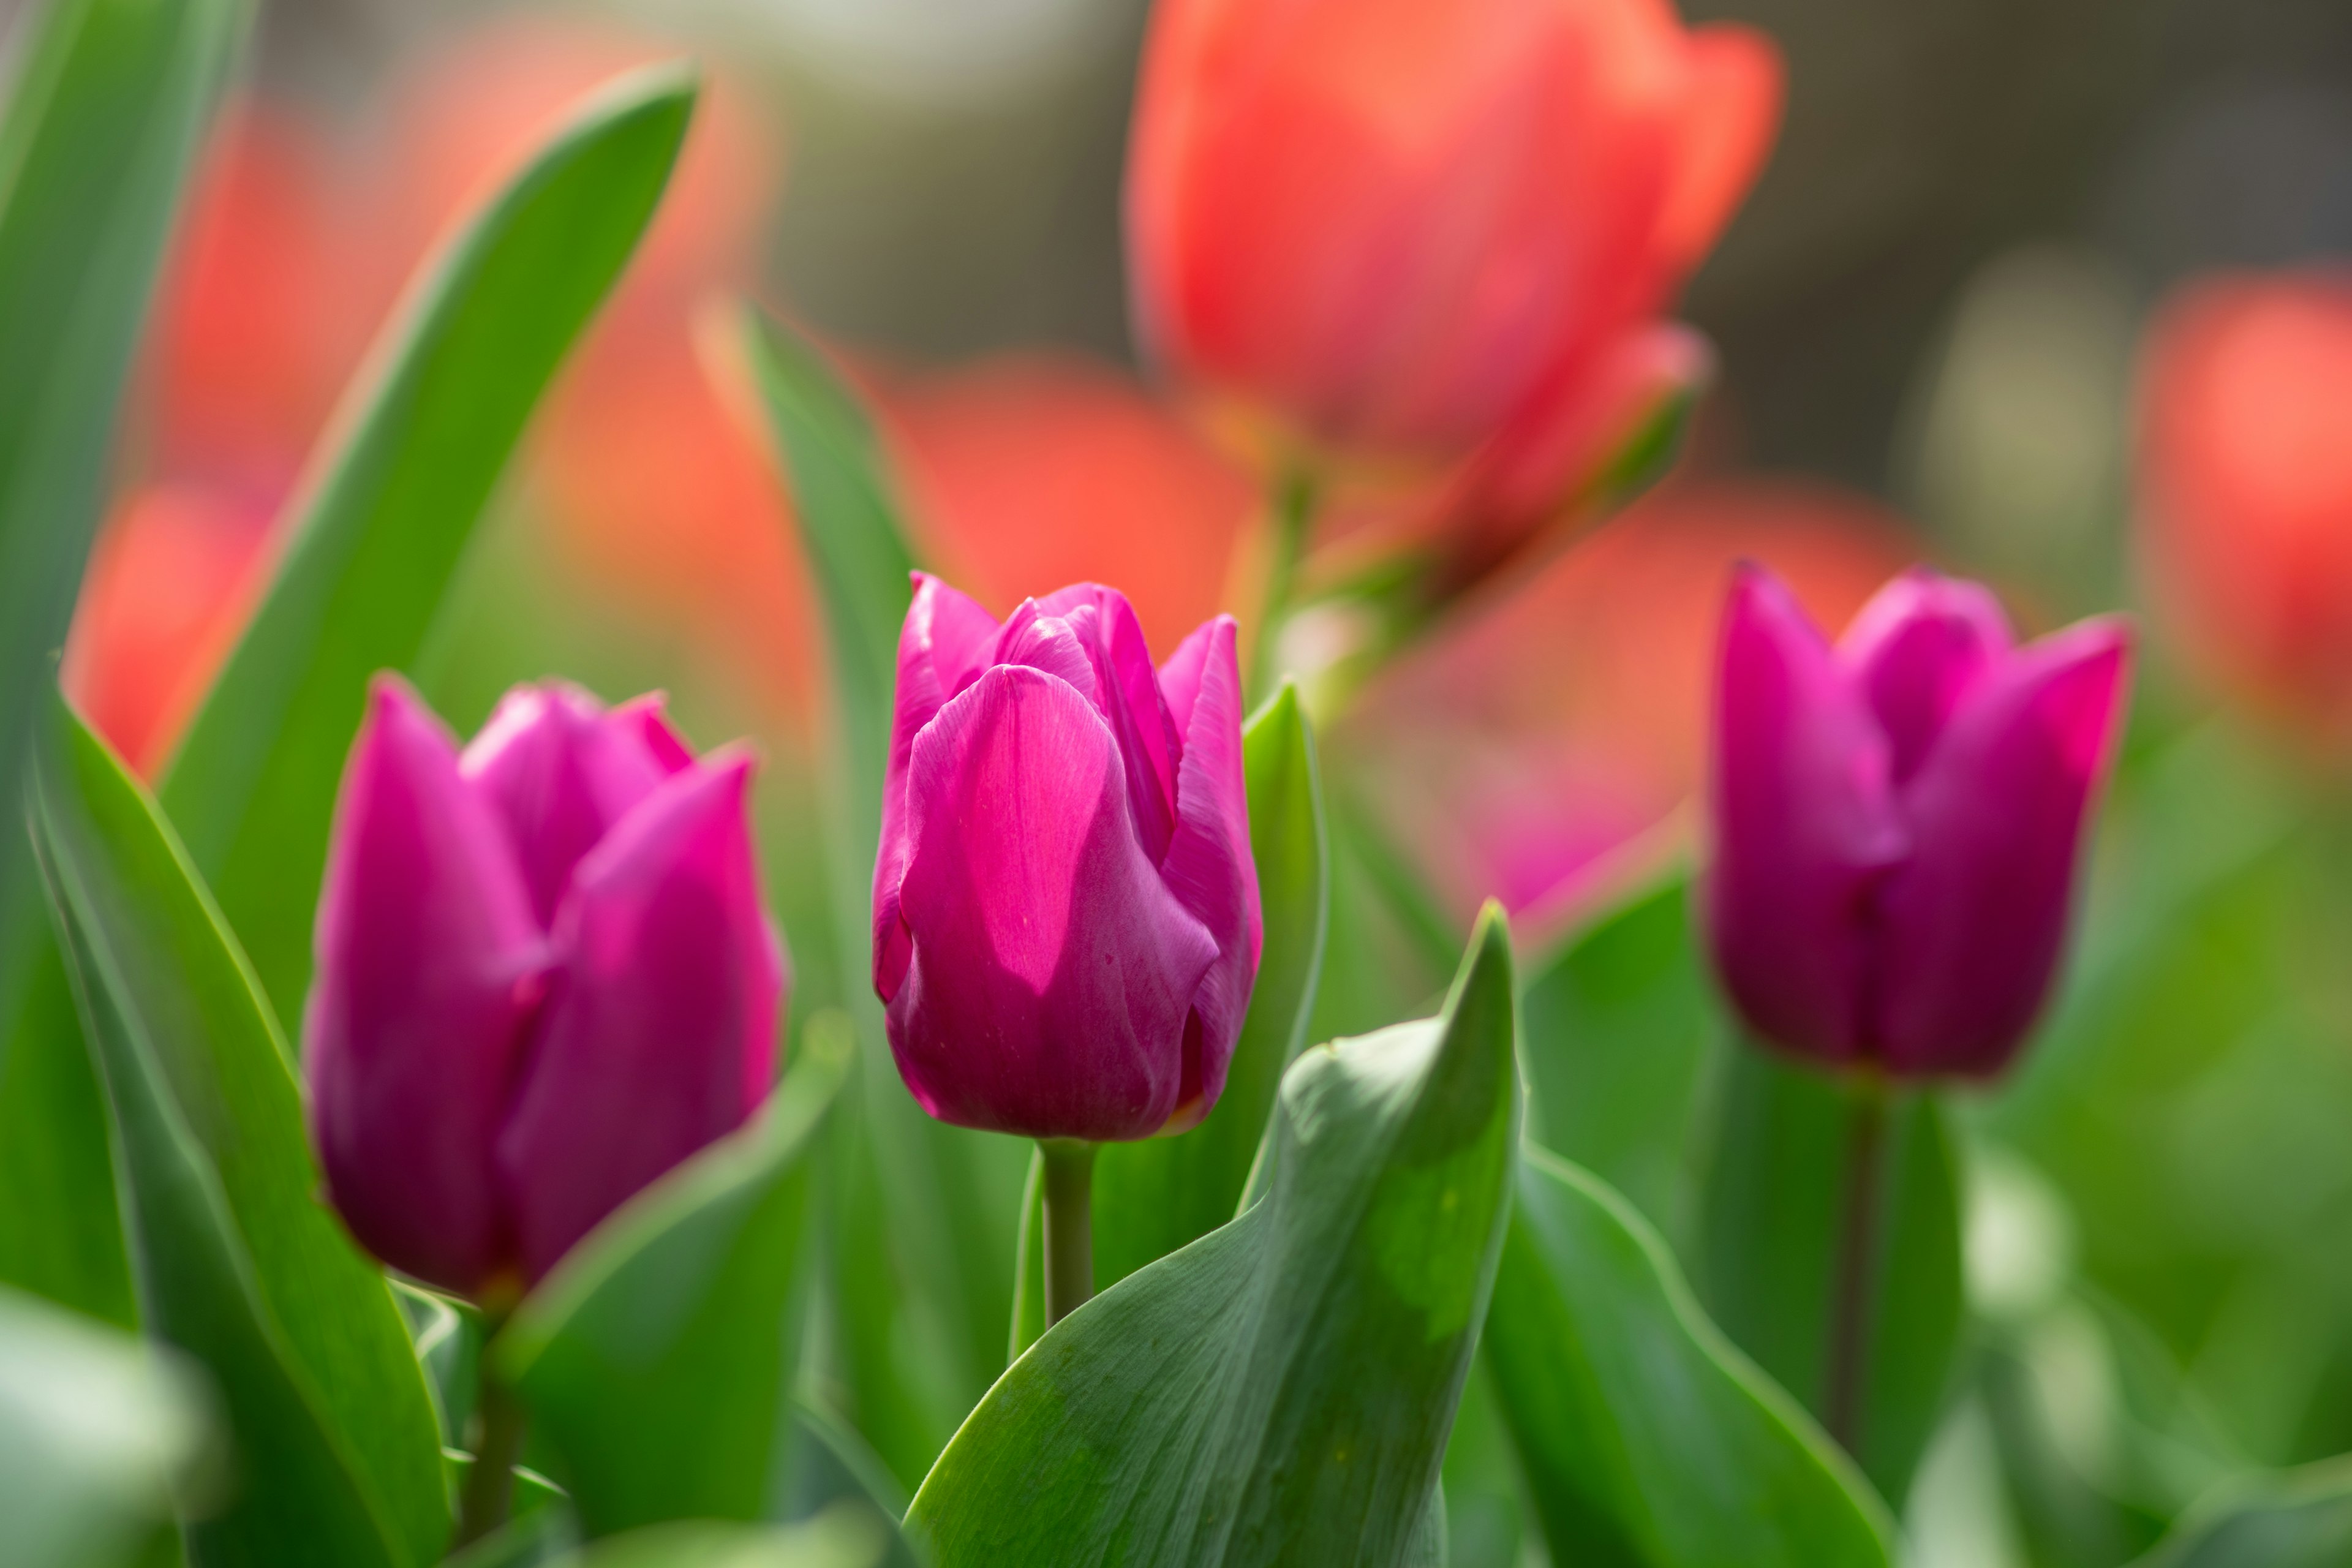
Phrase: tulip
(544, 978)
(1412, 229)
(2245, 489)
(1065, 914)
(1897, 820)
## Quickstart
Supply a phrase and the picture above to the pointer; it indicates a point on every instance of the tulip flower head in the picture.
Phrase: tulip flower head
(1065, 913)
(544, 978)
(1897, 820)
(1409, 228)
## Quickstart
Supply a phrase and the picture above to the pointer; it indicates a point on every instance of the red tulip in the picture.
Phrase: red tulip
(2245, 488)
(1428, 229)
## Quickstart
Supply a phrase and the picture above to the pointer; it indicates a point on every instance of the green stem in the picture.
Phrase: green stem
(1294, 512)
(1069, 1226)
(499, 1421)
(1853, 1288)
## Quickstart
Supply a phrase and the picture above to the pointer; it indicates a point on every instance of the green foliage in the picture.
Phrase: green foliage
(238, 1262)
(105, 111)
(96, 1433)
(391, 503)
(1281, 1390)
(60, 1234)
(1645, 1437)
(658, 1359)
(1771, 1232)
(2300, 1519)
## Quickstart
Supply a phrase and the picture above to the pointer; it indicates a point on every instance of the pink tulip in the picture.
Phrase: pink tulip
(1065, 913)
(544, 978)
(1413, 229)
(1897, 820)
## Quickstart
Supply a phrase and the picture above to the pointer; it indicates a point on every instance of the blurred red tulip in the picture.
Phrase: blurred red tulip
(2245, 488)
(1032, 470)
(1424, 230)
(1523, 755)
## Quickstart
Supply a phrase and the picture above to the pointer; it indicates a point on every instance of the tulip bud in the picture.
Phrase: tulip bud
(543, 978)
(1409, 229)
(2245, 489)
(1065, 913)
(1897, 820)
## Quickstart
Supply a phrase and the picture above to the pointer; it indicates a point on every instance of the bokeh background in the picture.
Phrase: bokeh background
(1929, 317)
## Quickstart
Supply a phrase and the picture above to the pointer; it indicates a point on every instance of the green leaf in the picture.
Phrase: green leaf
(845, 1537)
(2300, 1518)
(1157, 1194)
(1618, 1031)
(1771, 1225)
(108, 103)
(924, 1213)
(658, 1359)
(391, 501)
(1281, 1390)
(96, 1433)
(237, 1261)
(1645, 1437)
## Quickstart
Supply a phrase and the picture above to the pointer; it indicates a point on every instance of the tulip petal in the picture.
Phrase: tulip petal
(1053, 969)
(658, 1034)
(429, 963)
(945, 634)
(560, 771)
(1916, 650)
(1974, 925)
(1805, 825)
(1124, 689)
(1728, 120)
(645, 719)
(1209, 866)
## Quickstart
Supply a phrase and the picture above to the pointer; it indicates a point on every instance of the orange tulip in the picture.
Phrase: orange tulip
(2245, 489)
(1427, 230)
(1525, 755)
(1033, 470)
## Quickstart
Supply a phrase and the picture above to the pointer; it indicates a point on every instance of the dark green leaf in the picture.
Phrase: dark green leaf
(96, 1433)
(2299, 1519)
(108, 106)
(658, 1359)
(1617, 1031)
(238, 1263)
(1772, 1226)
(1645, 1437)
(1281, 1390)
(385, 517)
(1156, 1195)
(924, 1213)
(843, 1537)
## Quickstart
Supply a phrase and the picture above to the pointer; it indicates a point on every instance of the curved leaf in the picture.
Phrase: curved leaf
(2301, 1519)
(1281, 1390)
(658, 1359)
(1645, 1437)
(238, 1262)
(391, 503)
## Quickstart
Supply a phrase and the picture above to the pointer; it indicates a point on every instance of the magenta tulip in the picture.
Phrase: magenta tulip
(1897, 820)
(544, 978)
(1065, 913)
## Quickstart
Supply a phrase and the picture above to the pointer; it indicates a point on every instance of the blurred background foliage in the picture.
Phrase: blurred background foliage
(1929, 317)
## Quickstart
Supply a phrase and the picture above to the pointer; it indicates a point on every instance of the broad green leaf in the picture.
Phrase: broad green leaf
(658, 1359)
(2301, 1519)
(1281, 1390)
(97, 1431)
(1156, 1195)
(1646, 1439)
(237, 1261)
(1771, 1223)
(61, 1232)
(924, 1213)
(108, 105)
(843, 1537)
(1617, 1030)
(391, 501)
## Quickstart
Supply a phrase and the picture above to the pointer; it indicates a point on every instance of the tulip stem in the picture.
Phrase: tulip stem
(1069, 1226)
(1853, 1289)
(498, 1420)
(1294, 510)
